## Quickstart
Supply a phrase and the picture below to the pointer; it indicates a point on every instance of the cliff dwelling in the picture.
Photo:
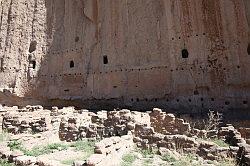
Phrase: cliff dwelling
(167, 61)
(182, 55)
(179, 55)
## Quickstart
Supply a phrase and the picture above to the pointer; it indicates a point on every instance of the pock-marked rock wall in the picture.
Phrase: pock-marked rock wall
(182, 54)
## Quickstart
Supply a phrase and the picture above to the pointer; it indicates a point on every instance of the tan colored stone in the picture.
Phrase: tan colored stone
(25, 160)
(95, 159)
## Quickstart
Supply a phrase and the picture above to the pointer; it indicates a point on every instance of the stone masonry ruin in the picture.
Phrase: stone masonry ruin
(124, 82)
(118, 132)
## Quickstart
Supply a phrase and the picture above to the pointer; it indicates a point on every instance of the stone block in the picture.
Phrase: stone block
(25, 160)
(95, 159)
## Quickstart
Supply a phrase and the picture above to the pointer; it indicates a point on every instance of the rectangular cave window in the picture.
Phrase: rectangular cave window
(71, 64)
(33, 64)
(105, 59)
(32, 47)
(248, 49)
(1, 64)
(184, 53)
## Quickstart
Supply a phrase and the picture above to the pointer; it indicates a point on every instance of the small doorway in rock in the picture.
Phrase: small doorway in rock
(184, 53)
(71, 64)
(77, 38)
(248, 49)
(33, 64)
(32, 47)
(105, 59)
(1, 64)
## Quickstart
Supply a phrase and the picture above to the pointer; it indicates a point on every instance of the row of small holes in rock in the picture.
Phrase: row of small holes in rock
(81, 48)
(178, 100)
(160, 67)
(64, 51)
(189, 36)
(121, 70)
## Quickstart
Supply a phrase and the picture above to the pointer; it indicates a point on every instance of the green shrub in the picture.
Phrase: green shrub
(184, 160)
(57, 146)
(38, 150)
(15, 145)
(217, 141)
(86, 146)
(68, 162)
(5, 163)
(83, 145)
(227, 162)
(50, 148)
(168, 158)
(147, 162)
(128, 159)
(146, 153)
(220, 142)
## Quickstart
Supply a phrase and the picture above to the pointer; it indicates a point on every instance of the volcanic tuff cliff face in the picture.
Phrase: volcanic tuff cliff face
(172, 53)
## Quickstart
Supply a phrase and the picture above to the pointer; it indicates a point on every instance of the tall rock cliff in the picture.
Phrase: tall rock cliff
(141, 53)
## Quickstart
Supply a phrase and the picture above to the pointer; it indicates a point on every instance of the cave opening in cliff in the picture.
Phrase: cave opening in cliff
(105, 59)
(184, 53)
(196, 92)
(71, 64)
(248, 49)
(32, 47)
(77, 39)
(33, 64)
(1, 64)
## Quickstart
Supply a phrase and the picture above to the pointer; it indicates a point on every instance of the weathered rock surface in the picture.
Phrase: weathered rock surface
(173, 54)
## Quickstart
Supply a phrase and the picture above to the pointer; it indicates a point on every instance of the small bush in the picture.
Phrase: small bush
(185, 160)
(227, 162)
(128, 159)
(57, 146)
(214, 120)
(86, 146)
(83, 145)
(40, 150)
(220, 142)
(5, 163)
(15, 145)
(191, 156)
(217, 141)
(146, 153)
(68, 162)
(147, 162)
(168, 158)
